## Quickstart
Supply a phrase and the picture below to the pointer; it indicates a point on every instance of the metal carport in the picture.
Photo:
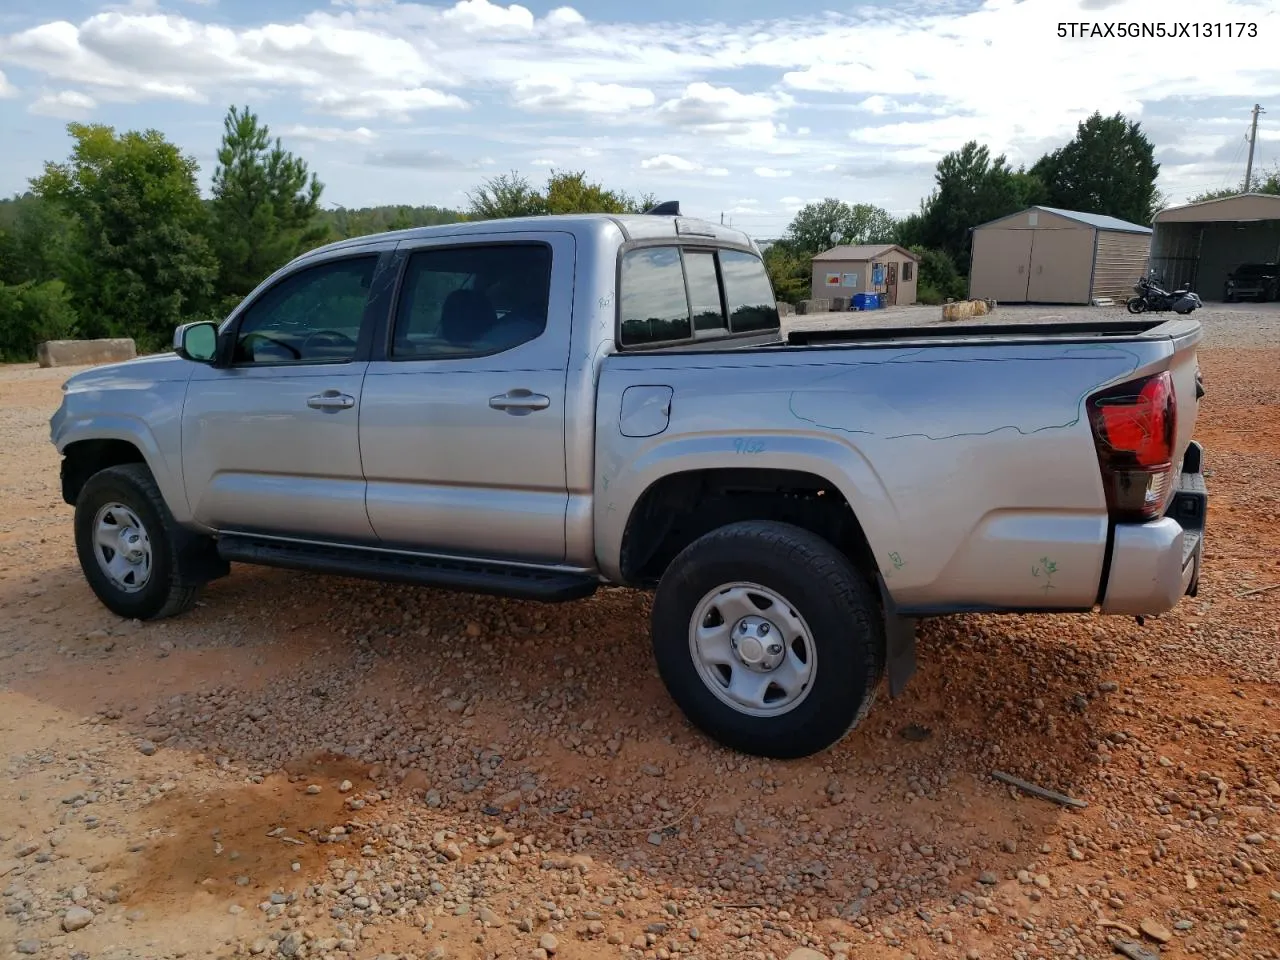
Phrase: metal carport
(1196, 245)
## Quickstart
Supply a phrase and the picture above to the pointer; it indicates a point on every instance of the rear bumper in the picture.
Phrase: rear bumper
(1154, 565)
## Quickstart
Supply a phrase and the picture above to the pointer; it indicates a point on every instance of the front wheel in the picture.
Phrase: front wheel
(1136, 305)
(768, 639)
(129, 545)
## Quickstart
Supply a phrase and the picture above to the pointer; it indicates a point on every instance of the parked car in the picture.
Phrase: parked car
(532, 408)
(1253, 281)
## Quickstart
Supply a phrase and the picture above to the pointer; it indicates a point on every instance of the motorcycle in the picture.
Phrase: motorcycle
(1154, 298)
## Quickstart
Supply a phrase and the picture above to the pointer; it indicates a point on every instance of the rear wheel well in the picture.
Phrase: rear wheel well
(682, 507)
(82, 459)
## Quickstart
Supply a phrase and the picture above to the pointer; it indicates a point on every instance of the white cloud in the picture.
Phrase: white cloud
(704, 103)
(584, 97)
(481, 16)
(667, 161)
(716, 172)
(7, 89)
(398, 104)
(329, 134)
(64, 104)
(771, 173)
(565, 17)
(543, 162)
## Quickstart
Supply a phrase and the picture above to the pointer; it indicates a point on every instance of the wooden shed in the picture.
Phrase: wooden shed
(1047, 255)
(883, 268)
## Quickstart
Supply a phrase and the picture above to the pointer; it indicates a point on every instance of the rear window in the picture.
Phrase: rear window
(672, 294)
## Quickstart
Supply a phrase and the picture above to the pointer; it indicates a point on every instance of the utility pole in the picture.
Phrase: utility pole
(1253, 138)
(722, 218)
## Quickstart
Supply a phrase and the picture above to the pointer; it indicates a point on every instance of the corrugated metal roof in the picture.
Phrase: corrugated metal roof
(1096, 220)
(861, 251)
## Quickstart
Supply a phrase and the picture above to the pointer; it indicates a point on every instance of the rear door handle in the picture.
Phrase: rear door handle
(331, 400)
(520, 401)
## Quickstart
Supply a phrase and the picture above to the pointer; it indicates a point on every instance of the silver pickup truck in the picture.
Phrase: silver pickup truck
(532, 408)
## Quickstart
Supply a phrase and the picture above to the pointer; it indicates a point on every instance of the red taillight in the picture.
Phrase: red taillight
(1134, 430)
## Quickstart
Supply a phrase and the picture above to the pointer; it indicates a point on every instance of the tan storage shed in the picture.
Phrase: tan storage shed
(1047, 255)
(846, 270)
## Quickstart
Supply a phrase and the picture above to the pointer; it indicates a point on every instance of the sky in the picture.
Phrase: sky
(742, 109)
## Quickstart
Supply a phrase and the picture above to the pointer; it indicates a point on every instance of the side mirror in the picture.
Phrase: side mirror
(197, 341)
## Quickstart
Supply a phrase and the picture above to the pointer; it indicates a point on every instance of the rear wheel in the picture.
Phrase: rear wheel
(1136, 305)
(768, 639)
(130, 547)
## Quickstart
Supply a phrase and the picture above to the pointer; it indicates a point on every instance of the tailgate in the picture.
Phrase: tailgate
(1184, 365)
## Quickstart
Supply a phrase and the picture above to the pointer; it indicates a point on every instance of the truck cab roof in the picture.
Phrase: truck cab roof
(633, 227)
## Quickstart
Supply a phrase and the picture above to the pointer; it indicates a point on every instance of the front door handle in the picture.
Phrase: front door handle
(331, 400)
(520, 401)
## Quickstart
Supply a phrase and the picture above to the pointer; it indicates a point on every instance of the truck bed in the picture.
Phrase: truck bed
(1075, 331)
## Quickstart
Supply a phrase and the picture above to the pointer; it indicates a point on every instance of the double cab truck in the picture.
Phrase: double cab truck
(532, 408)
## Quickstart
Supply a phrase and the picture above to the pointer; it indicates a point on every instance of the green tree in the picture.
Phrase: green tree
(141, 261)
(34, 240)
(342, 223)
(1268, 183)
(790, 271)
(938, 279)
(506, 195)
(1109, 168)
(31, 313)
(512, 195)
(971, 188)
(263, 211)
(813, 225)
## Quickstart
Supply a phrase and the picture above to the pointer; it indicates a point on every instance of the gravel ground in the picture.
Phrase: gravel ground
(316, 767)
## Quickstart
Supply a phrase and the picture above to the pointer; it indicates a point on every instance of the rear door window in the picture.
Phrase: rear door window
(653, 305)
(747, 292)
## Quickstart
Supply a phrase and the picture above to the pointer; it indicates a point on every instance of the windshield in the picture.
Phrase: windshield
(1251, 270)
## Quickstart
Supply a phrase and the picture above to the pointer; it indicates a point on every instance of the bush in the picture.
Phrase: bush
(31, 313)
(939, 279)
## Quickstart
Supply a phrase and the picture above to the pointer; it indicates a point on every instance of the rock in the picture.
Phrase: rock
(1108, 686)
(28, 848)
(804, 953)
(28, 947)
(988, 878)
(313, 789)
(549, 943)
(655, 838)
(345, 786)
(1133, 950)
(76, 918)
(1155, 931)
(290, 945)
(508, 801)
(146, 748)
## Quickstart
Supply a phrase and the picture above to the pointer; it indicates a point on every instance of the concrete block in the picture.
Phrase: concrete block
(78, 353)
(785, 309)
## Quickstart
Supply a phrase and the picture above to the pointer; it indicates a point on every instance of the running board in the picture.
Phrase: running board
(470, 576)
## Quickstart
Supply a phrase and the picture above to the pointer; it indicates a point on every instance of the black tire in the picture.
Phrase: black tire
(837, 604)
(168, 590)
(1136, 305)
